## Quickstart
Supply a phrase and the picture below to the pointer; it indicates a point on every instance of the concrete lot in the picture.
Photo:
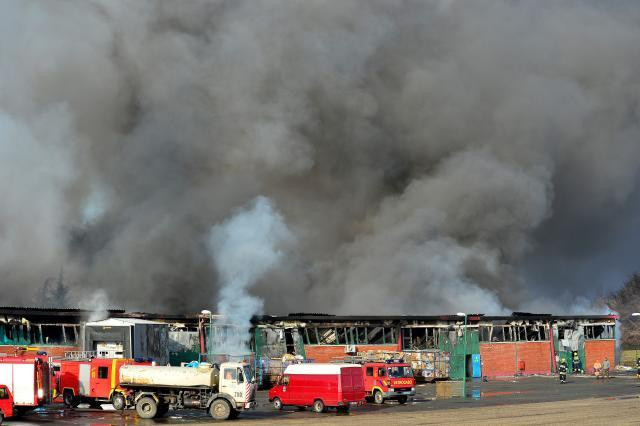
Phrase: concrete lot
(532, 400)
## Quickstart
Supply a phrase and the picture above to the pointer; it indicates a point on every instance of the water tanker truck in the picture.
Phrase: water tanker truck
(153, 390)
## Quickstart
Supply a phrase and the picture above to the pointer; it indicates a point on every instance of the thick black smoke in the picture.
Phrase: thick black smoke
(429, 156)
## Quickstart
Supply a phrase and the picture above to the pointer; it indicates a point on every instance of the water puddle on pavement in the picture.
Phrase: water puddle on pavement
(477, 394)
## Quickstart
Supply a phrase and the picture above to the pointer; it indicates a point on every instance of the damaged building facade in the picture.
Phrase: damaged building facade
(69, 332)
(54, 331)
(435, 345)
(495, 345)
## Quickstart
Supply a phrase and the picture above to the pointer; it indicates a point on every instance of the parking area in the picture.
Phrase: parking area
(498, 396)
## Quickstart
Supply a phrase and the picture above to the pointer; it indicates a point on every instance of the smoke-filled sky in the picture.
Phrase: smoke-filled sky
(427, 156)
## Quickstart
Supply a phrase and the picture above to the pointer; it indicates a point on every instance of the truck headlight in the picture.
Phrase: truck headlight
(391, 389)
(40, 393)
(413, 389)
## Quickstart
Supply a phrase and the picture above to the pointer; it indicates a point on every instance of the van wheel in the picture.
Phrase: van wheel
(118, 402)
(378, 398)
(402, 399)
(147, 407)
(318, 406)
(277, 403)
(220, 409)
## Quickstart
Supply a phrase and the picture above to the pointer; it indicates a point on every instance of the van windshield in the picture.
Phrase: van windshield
(397, 372)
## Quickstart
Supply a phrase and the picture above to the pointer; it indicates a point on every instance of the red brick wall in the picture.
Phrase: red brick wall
(536, 357)
(499, 359)
(329, 353)
(50, 350)
(597, 350)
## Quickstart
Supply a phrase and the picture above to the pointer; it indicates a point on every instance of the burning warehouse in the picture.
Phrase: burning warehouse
(438, 346)
(495, 345)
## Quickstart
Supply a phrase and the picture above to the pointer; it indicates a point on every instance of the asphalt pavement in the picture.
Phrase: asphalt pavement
(500, 392)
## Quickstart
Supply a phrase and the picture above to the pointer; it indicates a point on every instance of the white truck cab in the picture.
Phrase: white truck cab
(236, 380)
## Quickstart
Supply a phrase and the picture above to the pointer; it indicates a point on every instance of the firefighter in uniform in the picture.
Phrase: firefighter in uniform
(562, 371)
(577, 365)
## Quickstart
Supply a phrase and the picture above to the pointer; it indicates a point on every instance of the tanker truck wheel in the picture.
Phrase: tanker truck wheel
(118, 402)
(220, 409)
(147, 407)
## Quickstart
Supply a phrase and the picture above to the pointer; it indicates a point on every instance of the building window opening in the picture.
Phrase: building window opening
(52, 335)
(376, 336)
(327, 336)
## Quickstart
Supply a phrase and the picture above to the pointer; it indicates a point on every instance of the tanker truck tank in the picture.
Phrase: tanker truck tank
(154, 390)
(169, 376)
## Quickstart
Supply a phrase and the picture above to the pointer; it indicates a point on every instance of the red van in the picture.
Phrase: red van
(388, 380)
(319, 386)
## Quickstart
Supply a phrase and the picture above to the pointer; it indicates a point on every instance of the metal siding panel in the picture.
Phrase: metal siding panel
(151, 341)
(23, 384)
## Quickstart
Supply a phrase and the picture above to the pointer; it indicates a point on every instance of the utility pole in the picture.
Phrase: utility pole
(464, 357)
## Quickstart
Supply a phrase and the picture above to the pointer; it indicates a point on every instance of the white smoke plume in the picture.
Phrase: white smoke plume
(244, 248)
(429, 156)
(97, 302)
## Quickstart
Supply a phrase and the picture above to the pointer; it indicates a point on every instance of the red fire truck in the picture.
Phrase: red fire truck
(388, 380)
(6, 403)
(91, 381)
(27, 379)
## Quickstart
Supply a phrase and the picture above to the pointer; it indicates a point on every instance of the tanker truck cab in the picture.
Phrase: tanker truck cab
(237, 381)
(223, 391)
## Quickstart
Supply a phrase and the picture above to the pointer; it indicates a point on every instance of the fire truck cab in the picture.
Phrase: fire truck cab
(6, 403)
(388, 380)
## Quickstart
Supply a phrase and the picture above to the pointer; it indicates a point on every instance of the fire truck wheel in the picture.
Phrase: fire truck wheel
(70, 400)
(277, 403)
(147, 407)
(220, 409)
(118, 402)
(378, 398)
(1, 418)
(402, 399)
(318, 406)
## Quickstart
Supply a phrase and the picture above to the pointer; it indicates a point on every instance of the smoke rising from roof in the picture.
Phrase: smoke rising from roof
(428, 156)
(244, 248)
